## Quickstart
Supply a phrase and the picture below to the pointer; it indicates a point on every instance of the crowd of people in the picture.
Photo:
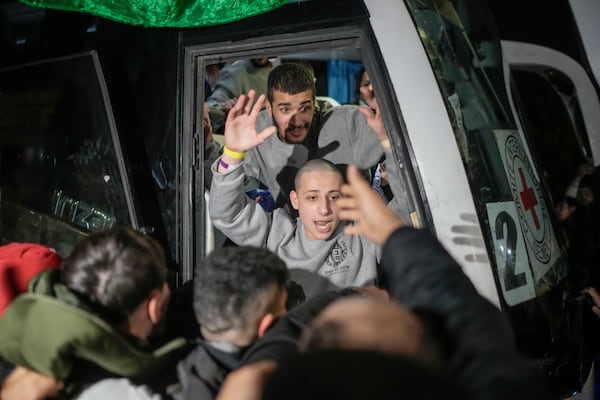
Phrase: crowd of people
(383, 311)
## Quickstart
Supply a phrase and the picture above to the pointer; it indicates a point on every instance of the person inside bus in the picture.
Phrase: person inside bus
(342, 135)
(365, 96)
(99, 316)
(313, 245)
(583, 232)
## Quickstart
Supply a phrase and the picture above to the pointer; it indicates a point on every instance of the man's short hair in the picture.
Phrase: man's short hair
(230, 286)
(291, 78)
(115, 270)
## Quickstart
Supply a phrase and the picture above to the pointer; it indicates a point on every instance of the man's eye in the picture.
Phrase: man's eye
(334, 197)
(284, 110)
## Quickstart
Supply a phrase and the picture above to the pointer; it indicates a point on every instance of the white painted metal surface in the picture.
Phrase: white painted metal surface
(519, 54)
(433, 142)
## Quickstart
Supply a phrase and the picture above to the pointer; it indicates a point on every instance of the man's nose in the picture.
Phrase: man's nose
(324, 206)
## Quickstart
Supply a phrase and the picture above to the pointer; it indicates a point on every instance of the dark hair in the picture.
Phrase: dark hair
(230, 281)
(291, 78)
(355, 375)
(115, 270)
(358, 81)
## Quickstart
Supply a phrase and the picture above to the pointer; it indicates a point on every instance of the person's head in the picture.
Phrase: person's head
(364, 87)
(238, 293)
(291, 101)
(316, 191)
(123, 273)
(372, 324)
(585, 192)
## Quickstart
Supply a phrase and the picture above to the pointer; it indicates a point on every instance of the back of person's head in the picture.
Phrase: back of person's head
(290, 78)
(234, 288)
(116, 270)
(352, 375)
(368, 324)
(316, 165)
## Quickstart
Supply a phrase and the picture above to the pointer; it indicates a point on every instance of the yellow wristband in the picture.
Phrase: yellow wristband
(233, 154)
(385, 144)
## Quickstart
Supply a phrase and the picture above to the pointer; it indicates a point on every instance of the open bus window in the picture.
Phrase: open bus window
(335, 68)
(60, 174)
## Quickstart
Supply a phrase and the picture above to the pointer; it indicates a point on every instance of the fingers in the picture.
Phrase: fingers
(236, 109)
(257, 106)
(366, 111)
(250, 101)
(594, 295)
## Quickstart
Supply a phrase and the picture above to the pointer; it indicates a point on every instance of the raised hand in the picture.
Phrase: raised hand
(361, 204)
(240, 126)
(374, 120)
(595, 299)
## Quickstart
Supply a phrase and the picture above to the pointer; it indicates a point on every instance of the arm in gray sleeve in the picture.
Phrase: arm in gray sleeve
(235, 214)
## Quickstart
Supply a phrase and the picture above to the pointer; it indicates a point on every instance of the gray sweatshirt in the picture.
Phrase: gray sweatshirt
(317, 265)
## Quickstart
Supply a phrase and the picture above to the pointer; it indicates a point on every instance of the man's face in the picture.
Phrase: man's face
(315, 198)
(292, 114)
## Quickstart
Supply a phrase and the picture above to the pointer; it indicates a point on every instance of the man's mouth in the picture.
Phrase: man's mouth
(324, 226)
(296, 130)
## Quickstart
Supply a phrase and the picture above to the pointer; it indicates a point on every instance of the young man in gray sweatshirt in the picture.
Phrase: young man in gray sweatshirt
(317, 252)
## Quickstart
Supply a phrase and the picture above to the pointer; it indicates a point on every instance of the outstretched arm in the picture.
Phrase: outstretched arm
(240, 130)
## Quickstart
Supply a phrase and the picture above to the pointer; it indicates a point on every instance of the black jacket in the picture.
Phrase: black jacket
(484, 362)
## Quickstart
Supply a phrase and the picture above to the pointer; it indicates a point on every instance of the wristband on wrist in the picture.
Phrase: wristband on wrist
(223, 163)
(234, 154)
(385, 144)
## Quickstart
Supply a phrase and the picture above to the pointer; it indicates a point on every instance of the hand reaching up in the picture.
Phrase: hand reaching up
(374, 119)
(361, 204)
(240, 126)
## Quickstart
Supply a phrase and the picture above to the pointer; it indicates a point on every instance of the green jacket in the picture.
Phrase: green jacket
(49, 328)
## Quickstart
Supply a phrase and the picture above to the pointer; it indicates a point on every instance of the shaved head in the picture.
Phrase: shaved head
(316, 165)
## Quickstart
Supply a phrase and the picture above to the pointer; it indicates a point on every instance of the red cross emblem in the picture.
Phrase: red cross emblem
(528, 199)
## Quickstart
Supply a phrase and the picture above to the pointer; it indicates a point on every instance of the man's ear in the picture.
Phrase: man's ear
(294, 199)
(156, 305)
(264, 324)
(269, 108)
